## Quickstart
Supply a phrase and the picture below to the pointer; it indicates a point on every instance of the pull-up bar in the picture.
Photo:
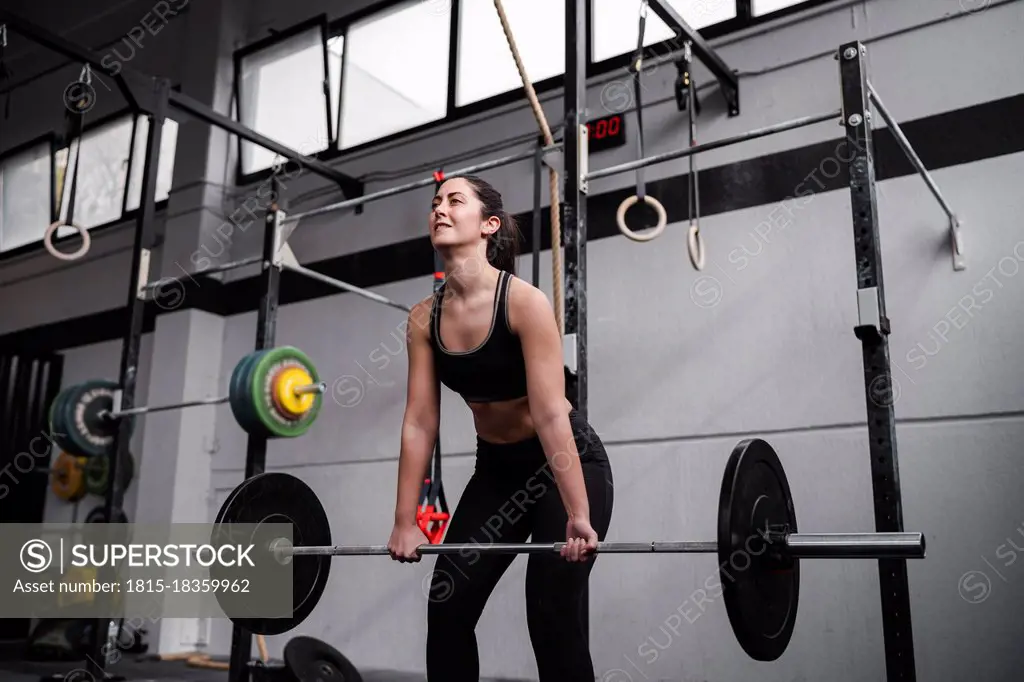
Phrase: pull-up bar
(416, 184)
(717, 144)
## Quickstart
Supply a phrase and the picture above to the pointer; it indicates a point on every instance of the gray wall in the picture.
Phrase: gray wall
(684, 364)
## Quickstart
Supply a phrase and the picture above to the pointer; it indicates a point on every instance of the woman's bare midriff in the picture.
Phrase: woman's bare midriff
(508, 421)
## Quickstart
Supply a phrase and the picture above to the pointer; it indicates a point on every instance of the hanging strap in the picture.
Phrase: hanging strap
(641, 194)
(74, 122)
(694, 189)
(695, 244)
(636, 66)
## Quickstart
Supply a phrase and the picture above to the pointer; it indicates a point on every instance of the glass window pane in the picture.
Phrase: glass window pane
(396, 71)
(24, 197)
(760, 7)
(102, 174)
(165, 170)
(486, 67)
(335, 52)
(282, 97)
(616, 22)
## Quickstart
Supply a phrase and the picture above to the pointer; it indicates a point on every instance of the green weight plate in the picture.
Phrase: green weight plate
(59, 425)
(90, 434)
(241, 396)
(97, 473)
(235, 387)
(65, 423)
(236, 390)
(250, 407)
(261, 385)
(251, 415)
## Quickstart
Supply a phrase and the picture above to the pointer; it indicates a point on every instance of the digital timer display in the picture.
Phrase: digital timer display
(606, 133)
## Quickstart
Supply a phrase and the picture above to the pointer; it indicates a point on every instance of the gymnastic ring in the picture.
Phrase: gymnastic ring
(695, 245)
(82, 250)
(627, 203)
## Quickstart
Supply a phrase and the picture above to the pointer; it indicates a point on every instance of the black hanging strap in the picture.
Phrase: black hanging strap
(73, 124)
(635, 67)
(694, 185)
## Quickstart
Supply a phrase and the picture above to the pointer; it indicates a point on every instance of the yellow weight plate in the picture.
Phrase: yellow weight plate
(285, 398)
(68, 479)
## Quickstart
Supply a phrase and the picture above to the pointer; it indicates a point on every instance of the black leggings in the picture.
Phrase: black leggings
(512, 496)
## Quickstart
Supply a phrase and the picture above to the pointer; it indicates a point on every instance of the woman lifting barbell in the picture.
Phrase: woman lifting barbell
(541, 470)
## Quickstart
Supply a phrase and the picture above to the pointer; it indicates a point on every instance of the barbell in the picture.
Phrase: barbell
(273, 393)
(758, 547)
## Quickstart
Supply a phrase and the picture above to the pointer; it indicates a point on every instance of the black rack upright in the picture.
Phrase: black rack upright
(873, 332)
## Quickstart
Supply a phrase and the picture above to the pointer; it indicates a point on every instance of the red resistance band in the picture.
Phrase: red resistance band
(431, 520)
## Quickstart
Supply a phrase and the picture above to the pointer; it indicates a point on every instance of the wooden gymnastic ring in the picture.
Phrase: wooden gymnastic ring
(695, 245)
(75, 255)
(627, 203)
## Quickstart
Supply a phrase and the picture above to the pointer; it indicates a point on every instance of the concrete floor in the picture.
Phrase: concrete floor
(164, 671)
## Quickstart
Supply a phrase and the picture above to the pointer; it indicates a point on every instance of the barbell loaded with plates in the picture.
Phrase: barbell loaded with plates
(758, 547)
(274, 393)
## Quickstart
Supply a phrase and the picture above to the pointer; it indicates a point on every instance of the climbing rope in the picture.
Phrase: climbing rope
(545, 129)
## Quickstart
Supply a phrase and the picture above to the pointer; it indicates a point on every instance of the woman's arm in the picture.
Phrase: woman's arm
(422, 414)
(533, 320)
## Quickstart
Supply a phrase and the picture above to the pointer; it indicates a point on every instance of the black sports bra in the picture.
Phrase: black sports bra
(493, 371)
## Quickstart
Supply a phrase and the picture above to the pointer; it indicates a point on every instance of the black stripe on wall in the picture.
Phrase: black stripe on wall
(953, 138)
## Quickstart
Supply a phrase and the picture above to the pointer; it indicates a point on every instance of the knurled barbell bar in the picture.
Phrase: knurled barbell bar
(758, 548)
(795, 545)
(274, 393)
(297, 391)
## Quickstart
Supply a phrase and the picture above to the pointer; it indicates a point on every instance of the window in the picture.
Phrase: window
(486, 67)
(104, 190)
(281, 90)
(616, 22)
(395, 71)
(388, 71)
(25, 183)
(760, 7)
(102, 174)
(165, 169)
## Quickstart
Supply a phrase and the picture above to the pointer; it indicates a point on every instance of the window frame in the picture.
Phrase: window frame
(744, 19)
(278, 37)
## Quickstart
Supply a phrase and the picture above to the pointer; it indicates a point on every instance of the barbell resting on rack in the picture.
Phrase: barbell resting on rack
(758, 547)
(274, 393)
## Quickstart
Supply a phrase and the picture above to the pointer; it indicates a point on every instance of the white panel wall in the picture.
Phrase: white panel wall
(684, 364)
